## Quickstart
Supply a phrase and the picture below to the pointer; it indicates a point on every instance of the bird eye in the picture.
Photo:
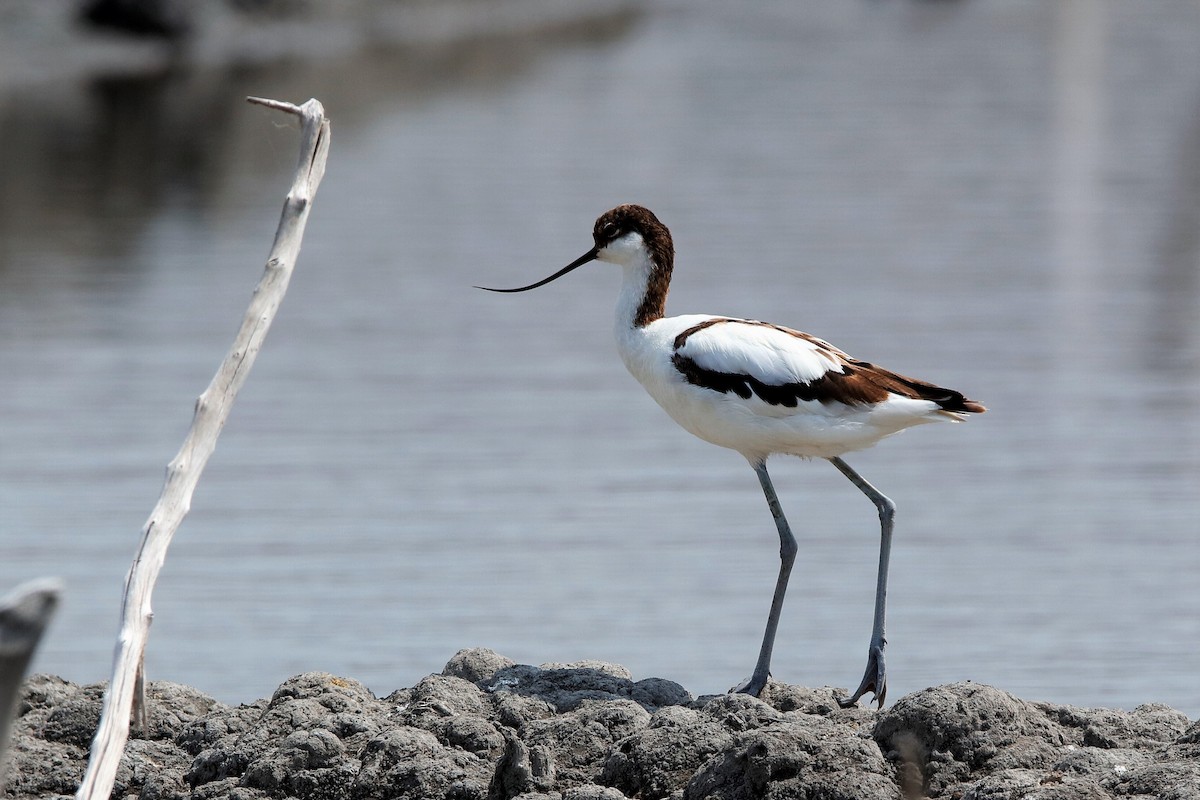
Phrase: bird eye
(609, 230)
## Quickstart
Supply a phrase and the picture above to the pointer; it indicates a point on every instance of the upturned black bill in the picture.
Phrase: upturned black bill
(590, 255)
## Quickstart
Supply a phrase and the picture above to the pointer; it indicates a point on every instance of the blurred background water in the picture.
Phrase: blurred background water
(1003, 197)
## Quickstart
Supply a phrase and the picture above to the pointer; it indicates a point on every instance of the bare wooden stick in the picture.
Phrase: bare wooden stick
(183, 473)
(24, 614)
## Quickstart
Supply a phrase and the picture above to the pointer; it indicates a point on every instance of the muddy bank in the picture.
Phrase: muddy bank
(488, 728)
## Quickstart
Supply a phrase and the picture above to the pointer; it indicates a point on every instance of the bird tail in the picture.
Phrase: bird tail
(955, 406)
(951, 404)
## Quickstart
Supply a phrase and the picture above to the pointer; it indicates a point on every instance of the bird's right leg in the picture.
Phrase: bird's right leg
(875, 676)
(787, 556)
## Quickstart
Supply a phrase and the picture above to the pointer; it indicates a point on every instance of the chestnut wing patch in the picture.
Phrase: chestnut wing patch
(783, 367)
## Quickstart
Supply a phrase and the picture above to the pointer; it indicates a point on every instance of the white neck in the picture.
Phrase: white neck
(635, 278)
(631, 254)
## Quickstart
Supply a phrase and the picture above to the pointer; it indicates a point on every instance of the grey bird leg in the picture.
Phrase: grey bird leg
(875, 677)
(787, 556)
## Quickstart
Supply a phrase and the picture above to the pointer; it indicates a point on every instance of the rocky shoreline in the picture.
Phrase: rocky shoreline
(488, 728)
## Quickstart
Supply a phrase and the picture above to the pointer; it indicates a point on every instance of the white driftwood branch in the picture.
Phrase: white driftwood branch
(24, 614)
(212, 410)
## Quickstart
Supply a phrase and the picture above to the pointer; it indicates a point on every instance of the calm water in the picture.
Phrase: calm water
(1000, 196)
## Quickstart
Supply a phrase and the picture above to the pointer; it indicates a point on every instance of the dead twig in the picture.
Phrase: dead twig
(125, 692)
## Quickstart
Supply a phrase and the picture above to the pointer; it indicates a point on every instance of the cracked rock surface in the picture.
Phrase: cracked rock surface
(489, 729)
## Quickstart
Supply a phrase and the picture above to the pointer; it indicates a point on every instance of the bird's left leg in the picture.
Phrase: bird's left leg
(787, 556)
(875, 677)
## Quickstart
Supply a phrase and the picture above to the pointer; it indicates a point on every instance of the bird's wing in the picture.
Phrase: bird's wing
(768, 354)
(779, 366)
(783, 367)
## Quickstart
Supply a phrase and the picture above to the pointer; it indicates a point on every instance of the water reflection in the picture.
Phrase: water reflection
(999, 196)
(126, 149)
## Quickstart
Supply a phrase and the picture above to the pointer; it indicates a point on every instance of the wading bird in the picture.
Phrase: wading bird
(759, 389)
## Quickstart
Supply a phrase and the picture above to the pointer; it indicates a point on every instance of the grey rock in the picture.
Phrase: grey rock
(1191, 735)
(489, 729)
(659, 692)
(476, 664)
(1145, 725)
(412, 763)
(796, 757)
(953, 732)
(591, 791)
(576, 744)
(564, 687)
(656, 760)
(1163, 781)
(74, 718)
(174, 707)
(1034, 784)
